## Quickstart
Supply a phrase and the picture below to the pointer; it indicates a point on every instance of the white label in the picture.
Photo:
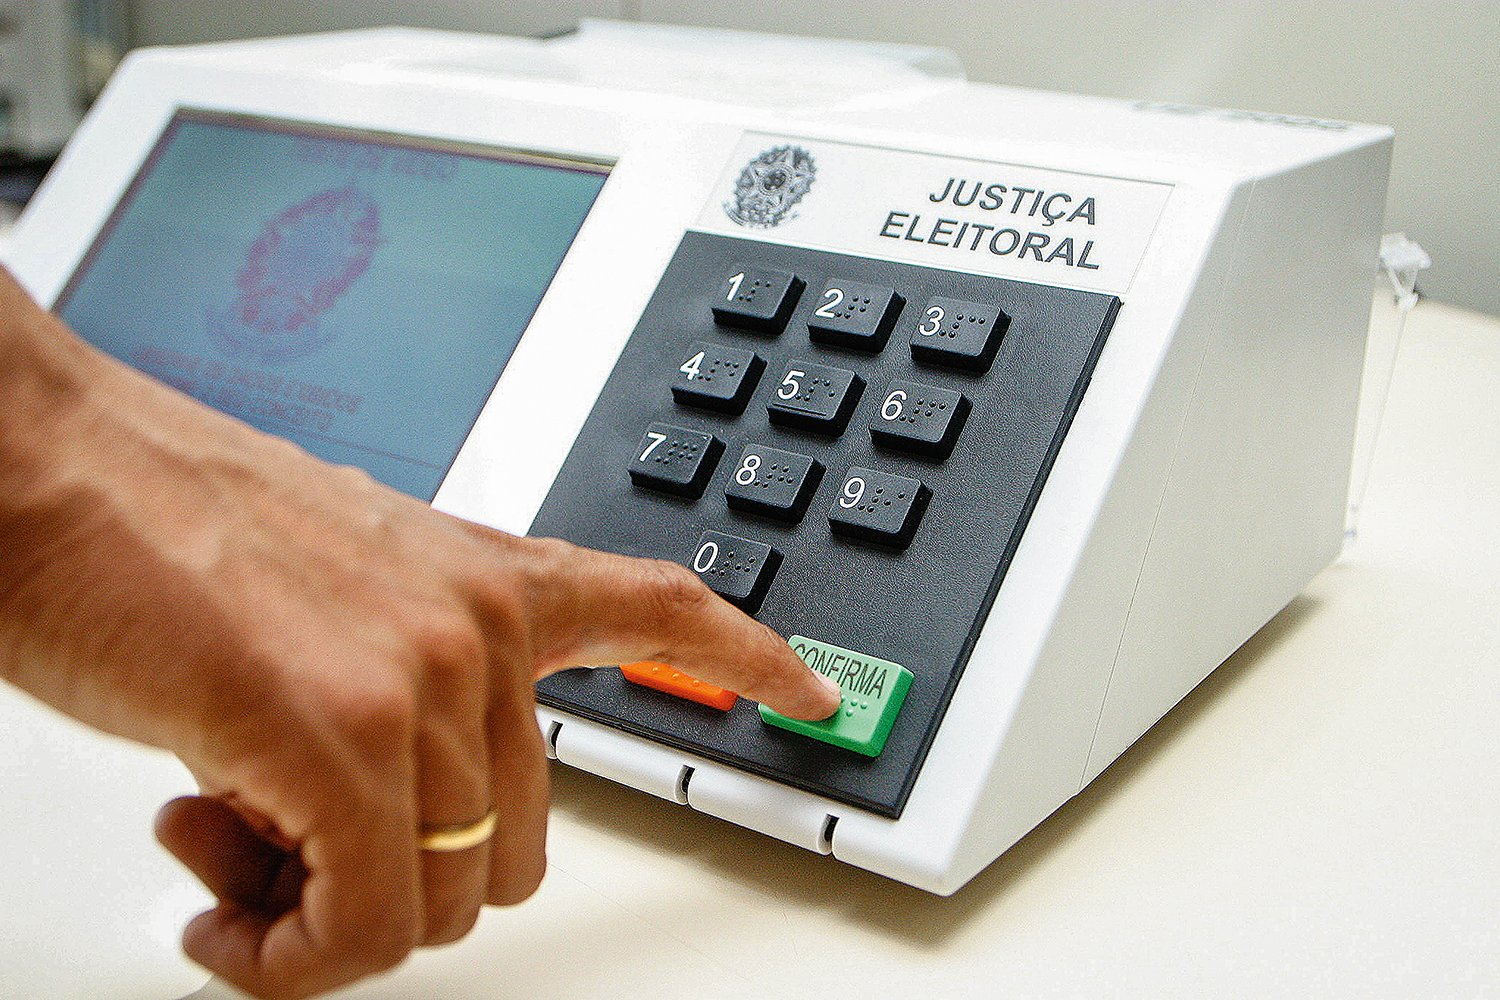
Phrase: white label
(1050, 226)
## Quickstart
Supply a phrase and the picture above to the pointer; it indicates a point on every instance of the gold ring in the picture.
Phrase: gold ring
(460, 837)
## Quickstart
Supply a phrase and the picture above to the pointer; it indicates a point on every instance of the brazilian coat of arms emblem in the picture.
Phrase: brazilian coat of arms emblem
(298, 268)
(770, 186)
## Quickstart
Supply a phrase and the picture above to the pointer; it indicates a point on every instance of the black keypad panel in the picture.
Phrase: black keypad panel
(878, 507)
(950, 446)
(854, 314)
(757, 298)
(958, 334)
(773, 483)
(675, 460)
(716, 377)
(922, 419)
(737, 569)
(814, 397)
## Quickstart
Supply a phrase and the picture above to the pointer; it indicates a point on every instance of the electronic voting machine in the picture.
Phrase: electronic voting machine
(1015, 412)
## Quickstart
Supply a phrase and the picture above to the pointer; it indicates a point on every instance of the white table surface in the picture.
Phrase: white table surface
(1320, 818)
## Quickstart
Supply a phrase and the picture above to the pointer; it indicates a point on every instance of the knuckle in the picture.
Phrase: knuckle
(449, 642)
(673, 590)
(377, 712)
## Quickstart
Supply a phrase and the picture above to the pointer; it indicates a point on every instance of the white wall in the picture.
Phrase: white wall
(1431, 68)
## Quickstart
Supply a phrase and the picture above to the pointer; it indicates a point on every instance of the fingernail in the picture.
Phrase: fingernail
(830, 685)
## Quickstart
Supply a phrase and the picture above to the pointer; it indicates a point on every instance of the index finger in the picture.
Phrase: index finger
(592, 607)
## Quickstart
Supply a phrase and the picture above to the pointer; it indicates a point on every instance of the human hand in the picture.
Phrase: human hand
(338, 664)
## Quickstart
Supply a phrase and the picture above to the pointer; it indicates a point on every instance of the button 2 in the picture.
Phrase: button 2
(958, 334)
(675, 460)
(757, 298)
(878, 507)
(717, 377)
(854, 314)
(814, 397)
(922, 419)
(773, 483)
(874, 691)
(737, 569)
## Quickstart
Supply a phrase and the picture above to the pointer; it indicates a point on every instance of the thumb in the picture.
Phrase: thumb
(592, 607)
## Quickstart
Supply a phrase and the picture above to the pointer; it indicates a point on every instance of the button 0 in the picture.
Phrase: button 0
(814, 397)
(881, 507)
(716, 377)
(663, 678)
(757, 298)
(675, 460)
(873, 692)
(737, 569)
(958, 334)
(921, 419)
(773, 483)
(854, 314)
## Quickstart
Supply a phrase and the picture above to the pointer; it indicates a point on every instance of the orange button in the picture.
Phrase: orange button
(664, 678)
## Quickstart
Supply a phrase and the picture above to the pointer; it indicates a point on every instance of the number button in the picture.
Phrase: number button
(879, 507)
(922, 419)
(773, 483)
(854, 314)
(737, 569)
(815, 397)
(757, 298)
(717, 378)
(675, 460)
(958, 334)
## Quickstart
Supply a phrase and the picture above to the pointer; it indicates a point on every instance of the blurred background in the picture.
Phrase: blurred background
(1430, 68)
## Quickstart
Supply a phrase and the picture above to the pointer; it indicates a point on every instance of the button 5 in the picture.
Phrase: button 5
(815, 397)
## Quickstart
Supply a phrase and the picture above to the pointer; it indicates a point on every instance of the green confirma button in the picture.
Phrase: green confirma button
(874, 690)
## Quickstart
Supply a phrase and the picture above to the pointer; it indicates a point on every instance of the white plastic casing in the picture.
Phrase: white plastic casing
(1202, 484)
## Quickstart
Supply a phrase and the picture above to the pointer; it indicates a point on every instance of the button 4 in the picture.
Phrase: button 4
(879, 507)
(919, 418)
(958, 334)
(874, 691)
(757, 298)
(815, 397)
(716, 377)
(737, 569)
(854, 314)
(773, 483)
(675, 460)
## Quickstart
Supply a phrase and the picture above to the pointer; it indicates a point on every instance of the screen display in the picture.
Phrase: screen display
(355, 292)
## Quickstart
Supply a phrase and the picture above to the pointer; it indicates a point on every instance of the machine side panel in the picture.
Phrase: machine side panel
(1255, 502)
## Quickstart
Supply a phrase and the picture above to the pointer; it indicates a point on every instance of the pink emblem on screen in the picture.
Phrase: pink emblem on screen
(301, 264)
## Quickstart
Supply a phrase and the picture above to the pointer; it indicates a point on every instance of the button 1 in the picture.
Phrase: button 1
(958, 334)
(923, 419)
(814, 397)
(874, 691)
(773, 483)
(664, 678)
(878, 507)
(757, 298)
(854, 314)
(737, 569)
(675, 460)
(716, 377)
